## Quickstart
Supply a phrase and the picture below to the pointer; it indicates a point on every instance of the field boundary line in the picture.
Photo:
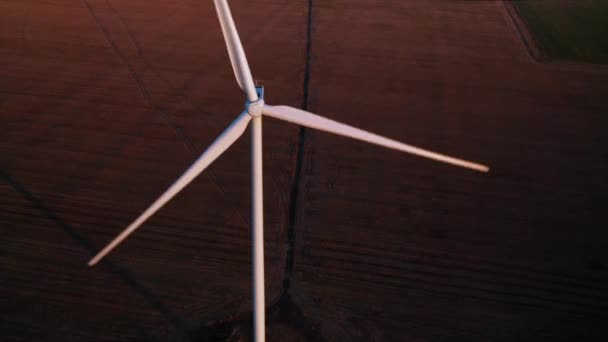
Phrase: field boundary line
(524, 33)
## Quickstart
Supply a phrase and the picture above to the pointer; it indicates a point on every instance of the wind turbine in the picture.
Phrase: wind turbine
(255, 109)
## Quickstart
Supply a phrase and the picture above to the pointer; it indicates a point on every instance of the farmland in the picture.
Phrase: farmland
(569, 30)
(104, 103)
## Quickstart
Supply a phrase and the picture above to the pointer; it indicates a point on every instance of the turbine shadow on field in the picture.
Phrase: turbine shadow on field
(181, 325)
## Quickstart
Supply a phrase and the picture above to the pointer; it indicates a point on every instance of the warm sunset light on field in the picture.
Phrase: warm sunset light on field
(303, 170)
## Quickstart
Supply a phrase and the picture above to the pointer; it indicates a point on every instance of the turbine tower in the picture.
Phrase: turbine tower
(255, 109)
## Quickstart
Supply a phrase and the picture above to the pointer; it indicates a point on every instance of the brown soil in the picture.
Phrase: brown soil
(104, 103)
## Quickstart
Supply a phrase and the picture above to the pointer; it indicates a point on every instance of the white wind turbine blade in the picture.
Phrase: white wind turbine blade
(311, 120)
(221, 143)
(235, 50)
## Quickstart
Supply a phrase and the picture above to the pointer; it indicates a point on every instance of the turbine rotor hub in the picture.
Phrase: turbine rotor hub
(255, 108)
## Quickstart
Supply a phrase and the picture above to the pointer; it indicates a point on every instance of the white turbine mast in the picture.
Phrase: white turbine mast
(255, 109)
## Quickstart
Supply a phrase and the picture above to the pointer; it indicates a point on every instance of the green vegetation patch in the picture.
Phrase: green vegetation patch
(569, 29)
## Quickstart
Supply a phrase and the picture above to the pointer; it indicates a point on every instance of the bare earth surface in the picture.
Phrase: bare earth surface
(104, 103)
